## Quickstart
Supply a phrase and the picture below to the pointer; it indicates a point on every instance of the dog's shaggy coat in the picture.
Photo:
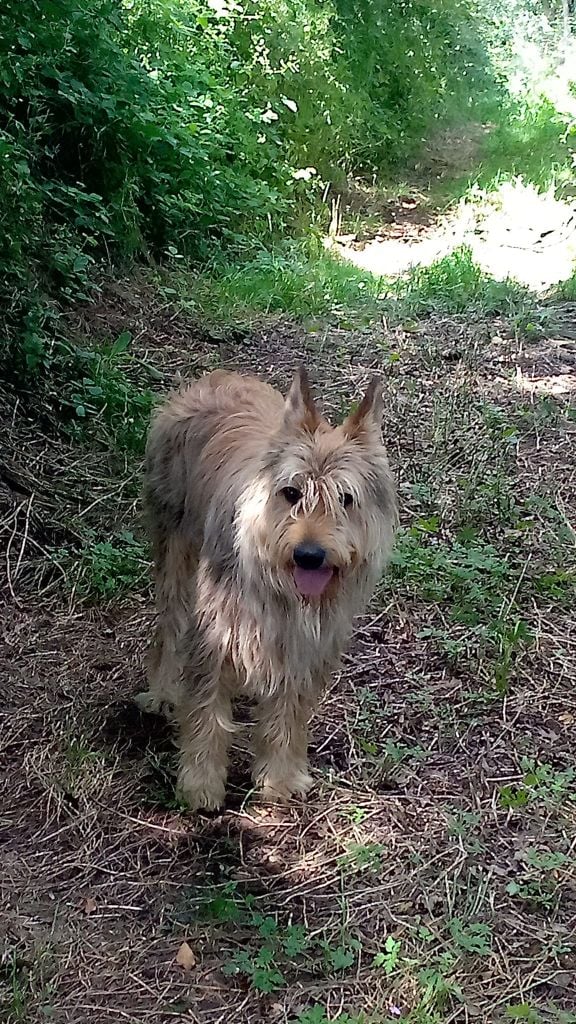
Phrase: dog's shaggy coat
(241, 486)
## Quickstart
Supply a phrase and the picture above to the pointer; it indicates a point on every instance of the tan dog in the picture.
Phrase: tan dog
(270, 531)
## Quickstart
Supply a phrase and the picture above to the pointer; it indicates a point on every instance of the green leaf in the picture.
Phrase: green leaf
(340, 958)
(295, 941)
(267, 980)
(121, 344)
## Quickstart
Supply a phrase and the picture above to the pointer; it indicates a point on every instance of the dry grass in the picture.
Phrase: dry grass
(431, 877)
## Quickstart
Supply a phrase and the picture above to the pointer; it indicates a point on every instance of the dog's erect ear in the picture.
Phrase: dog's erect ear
(300, 411)
(367, 418)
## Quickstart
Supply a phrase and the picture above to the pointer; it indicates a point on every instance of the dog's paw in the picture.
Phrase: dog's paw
(151, 704)
(200, 790)
(148, 702)
(275, 789)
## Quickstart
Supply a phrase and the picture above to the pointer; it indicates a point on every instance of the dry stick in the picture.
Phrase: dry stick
(25, 537)
(8, 547)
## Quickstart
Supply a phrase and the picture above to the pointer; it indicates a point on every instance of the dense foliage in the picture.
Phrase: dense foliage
(154, 127)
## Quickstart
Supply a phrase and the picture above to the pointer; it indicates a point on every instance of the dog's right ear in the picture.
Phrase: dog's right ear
(300, 412)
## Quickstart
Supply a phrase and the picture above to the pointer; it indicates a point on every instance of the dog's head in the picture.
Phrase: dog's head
(323, 507)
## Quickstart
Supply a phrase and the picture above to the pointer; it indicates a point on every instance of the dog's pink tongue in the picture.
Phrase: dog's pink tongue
(312, 582)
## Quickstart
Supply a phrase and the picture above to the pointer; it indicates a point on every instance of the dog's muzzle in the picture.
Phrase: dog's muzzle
(311, 574)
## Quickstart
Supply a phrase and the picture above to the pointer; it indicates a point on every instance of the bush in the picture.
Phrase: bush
(158, 127)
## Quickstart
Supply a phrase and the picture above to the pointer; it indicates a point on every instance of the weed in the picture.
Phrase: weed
(318, 1015)
(464, 826)
(105, 569)
(102, 390)
(79, 755)
(362, 857)
(285, 946)
(566, 291)
(225, 906)
(476, 585)
(260, 970)
(17, 989)
(437, 983)
(389, 958)
(341, 957)
(538, 883)
(471, 937)
(23, 985)
(289, 280)
(522, 1011)
(540, 783)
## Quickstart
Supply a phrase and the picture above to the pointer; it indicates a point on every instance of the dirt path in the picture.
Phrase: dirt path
(431, 877)
(513, 231)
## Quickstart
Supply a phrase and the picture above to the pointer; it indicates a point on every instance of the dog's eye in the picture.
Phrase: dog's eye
(346, 499)
(292, 495)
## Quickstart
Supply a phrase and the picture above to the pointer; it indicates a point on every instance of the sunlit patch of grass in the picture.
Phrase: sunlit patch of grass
(525, 137)
(530, 139)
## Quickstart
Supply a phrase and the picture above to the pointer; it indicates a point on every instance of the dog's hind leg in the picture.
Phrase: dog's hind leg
(175, 593)
(281, 746)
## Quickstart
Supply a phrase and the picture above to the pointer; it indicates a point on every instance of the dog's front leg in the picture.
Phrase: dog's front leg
(206, 728)
(281, 747)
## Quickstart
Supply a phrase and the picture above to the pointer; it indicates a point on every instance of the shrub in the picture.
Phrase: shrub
(158, 127)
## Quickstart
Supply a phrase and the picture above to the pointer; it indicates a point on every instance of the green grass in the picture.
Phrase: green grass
(528, 139)
(303, 281)
(524, 137)
(305, 284)
(566, 291)
(454, 285)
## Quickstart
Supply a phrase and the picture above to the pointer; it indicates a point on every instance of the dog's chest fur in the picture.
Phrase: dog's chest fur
(272, 643)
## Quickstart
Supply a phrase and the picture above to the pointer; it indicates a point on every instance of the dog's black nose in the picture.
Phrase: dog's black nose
(309, 556)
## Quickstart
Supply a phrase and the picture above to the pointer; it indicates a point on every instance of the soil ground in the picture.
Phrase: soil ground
(431, 875)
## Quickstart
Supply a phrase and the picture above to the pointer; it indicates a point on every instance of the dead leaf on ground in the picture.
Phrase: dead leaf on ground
(185, 957)
(89, 906)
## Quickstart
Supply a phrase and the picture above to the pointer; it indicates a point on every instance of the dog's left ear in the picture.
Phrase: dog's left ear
(367, 418)
(300, 411)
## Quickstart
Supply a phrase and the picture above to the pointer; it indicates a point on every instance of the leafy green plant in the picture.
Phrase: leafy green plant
(106, 569)
(362, 857)
(318, 1015)
(540, 782)
(389, 957)
(438, 984)
(341, 957)
(465, 826)
(260, 969)
(522, 1011)
(538, 882)
(471, 937)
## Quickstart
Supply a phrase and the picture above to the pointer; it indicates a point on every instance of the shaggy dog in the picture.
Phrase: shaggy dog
(270, 530)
